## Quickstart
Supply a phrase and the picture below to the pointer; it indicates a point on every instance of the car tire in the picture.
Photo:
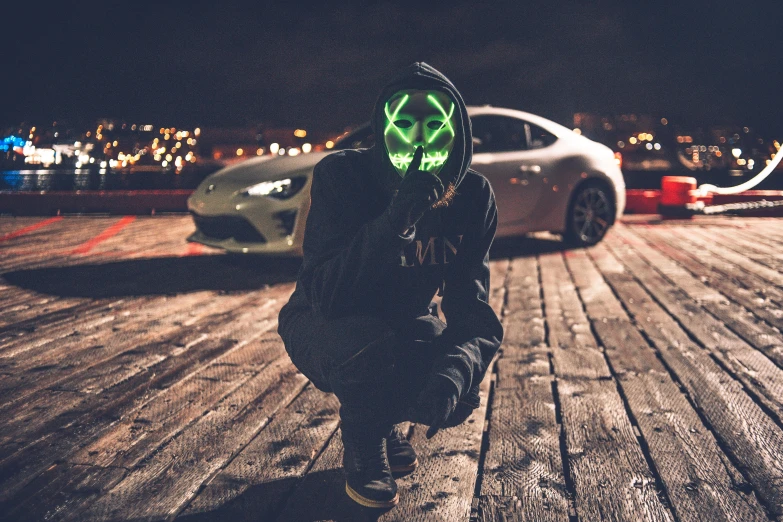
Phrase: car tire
(590, 214)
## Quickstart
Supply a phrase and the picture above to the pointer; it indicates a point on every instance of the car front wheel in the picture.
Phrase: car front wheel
(590, 215)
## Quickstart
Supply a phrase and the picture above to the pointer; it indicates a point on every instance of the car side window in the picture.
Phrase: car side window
(498, 134)
(539, 138)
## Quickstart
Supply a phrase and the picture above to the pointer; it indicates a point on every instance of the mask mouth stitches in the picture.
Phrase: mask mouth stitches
(429, 161)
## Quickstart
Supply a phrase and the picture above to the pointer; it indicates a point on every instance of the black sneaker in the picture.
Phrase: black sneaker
(368, 478)
(401, 455)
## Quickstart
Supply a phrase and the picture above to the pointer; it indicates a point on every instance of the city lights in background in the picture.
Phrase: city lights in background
(110, 144)
(650, 143)
(643, 142)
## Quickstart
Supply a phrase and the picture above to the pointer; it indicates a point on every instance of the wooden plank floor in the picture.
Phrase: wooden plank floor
(141, 378)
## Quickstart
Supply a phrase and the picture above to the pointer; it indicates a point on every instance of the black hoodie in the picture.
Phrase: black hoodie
(355, 264)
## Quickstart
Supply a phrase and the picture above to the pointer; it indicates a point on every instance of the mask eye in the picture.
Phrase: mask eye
(403, 124)
(435, 125)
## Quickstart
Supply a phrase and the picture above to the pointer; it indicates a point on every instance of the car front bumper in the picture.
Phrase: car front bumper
(250, 225)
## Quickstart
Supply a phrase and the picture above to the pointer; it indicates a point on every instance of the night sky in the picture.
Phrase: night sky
(320, 67)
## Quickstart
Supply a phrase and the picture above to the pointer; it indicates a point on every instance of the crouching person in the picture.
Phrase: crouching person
(388, 227)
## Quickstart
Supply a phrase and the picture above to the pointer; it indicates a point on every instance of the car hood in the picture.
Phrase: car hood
(265, 168)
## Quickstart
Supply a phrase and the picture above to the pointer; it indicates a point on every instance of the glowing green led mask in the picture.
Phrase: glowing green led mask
(416, 118)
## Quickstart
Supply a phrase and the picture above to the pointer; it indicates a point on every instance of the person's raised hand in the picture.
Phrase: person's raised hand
(418, 190)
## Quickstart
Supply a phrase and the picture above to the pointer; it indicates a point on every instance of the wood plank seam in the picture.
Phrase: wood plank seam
(291, 491)
(724, 446)
(701, 481)
(567, 476)
(753, 394)
(492, 375)
(687, 261)
(569, 481)
(485, 436)
(201, 367)
(239, 450)
(659, 484)
(727, 453)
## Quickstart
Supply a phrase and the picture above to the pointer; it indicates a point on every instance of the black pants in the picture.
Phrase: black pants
(376, 369)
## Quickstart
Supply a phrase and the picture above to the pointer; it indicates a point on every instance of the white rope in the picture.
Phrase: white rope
(705, 189)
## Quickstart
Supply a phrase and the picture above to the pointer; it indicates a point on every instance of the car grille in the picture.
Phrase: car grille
(287, 220)
(225, 227)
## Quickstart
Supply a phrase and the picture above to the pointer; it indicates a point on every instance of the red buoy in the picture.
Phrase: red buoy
(678, 196)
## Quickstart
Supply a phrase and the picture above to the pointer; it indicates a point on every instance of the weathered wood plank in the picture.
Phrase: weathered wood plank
(611, 476)
(88, 370)
(255, 484)
(686, 455)
(35, 337)
(743, 430)
(764, 272)
(596, 296)
(758, 295)
(43, 364)
(736, 241)
(61, 489)
(523, 458)
(498, 271)
(134, 437)
(764, 236)
(51, 244)
(756, 371)
(606, 462)
(575, 353)
(98, 412)
(10, 224)
(742, 318)
(48, 310)
(523, 319)
(182, 399)
(170, 480)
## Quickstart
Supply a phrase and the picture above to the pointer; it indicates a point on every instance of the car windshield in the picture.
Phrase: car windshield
(360, 138)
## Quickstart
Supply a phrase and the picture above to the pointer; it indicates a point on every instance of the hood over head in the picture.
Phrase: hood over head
(422, 76)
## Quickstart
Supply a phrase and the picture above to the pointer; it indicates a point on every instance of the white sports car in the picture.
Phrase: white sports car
(545, 178)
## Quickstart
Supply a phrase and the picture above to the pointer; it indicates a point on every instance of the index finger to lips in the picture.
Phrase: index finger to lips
(416, 161)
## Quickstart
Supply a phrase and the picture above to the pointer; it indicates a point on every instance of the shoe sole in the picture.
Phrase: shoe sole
(405, 469)
(367, 502)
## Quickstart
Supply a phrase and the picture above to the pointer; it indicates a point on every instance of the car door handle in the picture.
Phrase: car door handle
(531, 169)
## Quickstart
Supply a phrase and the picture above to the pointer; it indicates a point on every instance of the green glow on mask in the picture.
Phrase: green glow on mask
(418, 118)
(447, 118)
(428, 161)
(393, 118)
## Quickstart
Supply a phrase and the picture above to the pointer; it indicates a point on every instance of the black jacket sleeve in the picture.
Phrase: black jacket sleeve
(343, 252)
(473, 331)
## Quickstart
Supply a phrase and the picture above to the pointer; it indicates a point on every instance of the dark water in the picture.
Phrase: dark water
(101, 179)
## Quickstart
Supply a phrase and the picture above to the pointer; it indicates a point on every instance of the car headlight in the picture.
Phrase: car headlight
(280, 189)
